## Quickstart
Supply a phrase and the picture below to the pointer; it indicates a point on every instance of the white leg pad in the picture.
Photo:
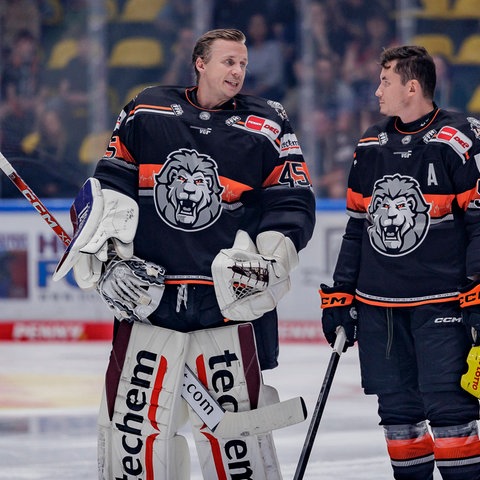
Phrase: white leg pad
(142, 408)
(225, 360)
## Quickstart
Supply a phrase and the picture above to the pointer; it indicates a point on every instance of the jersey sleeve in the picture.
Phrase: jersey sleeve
(118, 169)
(287, 199)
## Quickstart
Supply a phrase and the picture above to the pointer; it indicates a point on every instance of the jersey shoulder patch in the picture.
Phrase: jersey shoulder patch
(455, 138)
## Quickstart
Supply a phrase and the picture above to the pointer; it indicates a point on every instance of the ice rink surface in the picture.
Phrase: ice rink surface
(50, 392)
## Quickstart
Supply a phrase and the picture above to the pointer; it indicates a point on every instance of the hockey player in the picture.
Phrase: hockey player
(209, 191)
(410, 251)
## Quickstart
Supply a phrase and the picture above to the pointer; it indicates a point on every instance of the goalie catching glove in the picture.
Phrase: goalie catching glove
(132, 288)
(100, 217)
(250, 279)
(338, 310)
(470, 304)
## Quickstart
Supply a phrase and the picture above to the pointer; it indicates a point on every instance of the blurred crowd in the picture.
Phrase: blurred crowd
(48, 111)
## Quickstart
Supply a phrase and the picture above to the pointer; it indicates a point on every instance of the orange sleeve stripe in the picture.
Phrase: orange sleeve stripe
(120, 150)
(356, 201)
(465, 198)
(407, 449)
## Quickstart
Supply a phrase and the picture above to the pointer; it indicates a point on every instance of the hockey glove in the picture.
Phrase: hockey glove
(470, 303)
(101, 218)
(338, 309)
(250, 281)
(132, 289)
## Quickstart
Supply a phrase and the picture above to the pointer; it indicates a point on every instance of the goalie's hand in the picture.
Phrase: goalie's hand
(132, 288)
(470, 303)
(338, 310)
(103, 219)
(250, 282)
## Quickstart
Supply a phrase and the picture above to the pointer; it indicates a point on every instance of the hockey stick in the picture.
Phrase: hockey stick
(320, 406)
(223, 422)
(28, 193)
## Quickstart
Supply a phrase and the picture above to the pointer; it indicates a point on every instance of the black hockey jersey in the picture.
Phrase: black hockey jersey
(200, 175)
(413, 235)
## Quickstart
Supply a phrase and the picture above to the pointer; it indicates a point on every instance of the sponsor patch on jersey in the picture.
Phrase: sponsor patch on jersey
(263, 125)
(454, 137)
(289, 145)
(474, 126)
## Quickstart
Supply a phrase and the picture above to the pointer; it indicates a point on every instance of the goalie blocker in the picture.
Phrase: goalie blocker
(142, 407)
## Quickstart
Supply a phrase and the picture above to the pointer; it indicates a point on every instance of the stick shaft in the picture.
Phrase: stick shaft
(320, 405)
(37, 204)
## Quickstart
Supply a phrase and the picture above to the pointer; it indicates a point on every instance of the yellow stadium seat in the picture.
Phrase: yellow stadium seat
(434, 9)
(138, 52)
(141, 10)
(473, 105)
(62, 52)
(464, 9)
(436, 44)
(93, 146)
(469, 51)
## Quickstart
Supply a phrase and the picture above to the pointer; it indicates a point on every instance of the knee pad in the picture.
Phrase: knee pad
(225, 360)
(142, 408)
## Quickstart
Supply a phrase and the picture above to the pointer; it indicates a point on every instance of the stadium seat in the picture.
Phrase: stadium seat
(136, 52)
(473, 105)
(469, 51)
(434, 9)
(62, 52)
(466, 9)
(436, 44)
(141, 10)
(93, 146)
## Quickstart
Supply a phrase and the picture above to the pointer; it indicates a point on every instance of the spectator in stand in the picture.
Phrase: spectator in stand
(17, 16)
(360, 66)
(21, 91)
(78, 89)
(266, 68)
(334, 103)
(179, 70)
(175, 15)
(329, 40)
(236, 13)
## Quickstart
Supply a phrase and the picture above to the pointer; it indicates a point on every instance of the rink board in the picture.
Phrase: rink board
(35, 308)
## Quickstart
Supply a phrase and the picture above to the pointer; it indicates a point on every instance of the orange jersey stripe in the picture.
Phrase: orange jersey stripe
(117, 149)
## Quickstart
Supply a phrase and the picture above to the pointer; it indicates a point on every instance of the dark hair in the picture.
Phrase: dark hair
(413, 63)
(203, 46)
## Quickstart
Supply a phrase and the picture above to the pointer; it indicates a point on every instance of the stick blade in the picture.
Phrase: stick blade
(262, 420)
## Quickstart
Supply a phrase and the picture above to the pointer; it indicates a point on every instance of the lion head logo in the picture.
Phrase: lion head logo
(399, 215)
(188, 191)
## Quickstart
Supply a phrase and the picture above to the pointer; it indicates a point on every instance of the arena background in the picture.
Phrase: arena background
(68, 66)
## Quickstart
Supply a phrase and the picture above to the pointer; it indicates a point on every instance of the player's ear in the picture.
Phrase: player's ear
(200, 64)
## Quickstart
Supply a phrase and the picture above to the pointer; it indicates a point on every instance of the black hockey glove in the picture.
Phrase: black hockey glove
(338, 309)
(470, 303)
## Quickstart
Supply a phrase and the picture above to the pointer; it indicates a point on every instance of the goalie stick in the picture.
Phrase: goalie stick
(223, 422)
(320, 405)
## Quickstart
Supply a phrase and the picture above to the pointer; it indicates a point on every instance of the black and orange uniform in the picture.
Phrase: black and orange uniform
(198, 176)
(412, 239)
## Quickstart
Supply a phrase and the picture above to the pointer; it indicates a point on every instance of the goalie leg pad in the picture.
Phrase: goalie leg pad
(225, 360)
(137, 429)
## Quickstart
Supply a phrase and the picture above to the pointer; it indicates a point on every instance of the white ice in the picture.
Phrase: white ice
(39, 441)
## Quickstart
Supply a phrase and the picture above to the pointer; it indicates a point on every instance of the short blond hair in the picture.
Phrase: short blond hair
(203, 47)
